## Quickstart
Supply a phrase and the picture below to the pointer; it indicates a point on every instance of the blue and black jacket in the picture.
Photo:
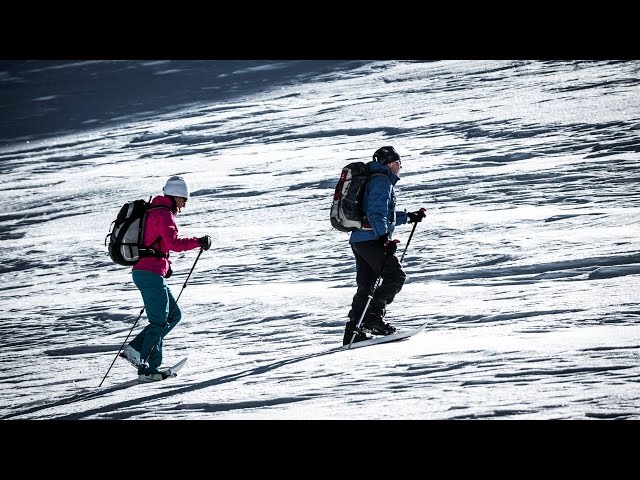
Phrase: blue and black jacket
(379, 205)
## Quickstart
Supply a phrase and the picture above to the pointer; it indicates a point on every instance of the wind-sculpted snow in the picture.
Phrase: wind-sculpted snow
(527, 265)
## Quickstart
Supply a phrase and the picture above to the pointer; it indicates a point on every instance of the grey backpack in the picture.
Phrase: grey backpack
(346, 208)
(126, 234)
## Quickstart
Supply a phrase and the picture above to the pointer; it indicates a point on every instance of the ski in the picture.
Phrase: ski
(395, 337)
(173, 371)
(169, 372)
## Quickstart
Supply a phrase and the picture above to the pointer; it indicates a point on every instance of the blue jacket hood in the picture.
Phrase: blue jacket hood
(376, 167)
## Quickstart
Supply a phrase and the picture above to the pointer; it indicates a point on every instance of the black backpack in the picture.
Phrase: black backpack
(346, 208)
(127, 231)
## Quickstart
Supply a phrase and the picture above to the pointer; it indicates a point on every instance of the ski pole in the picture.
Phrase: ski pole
(415, 224)
(123, 343)
(165, 325)
(377, 283)
(174, 306)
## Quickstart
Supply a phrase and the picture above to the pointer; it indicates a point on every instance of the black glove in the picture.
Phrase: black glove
(390, 246)
(416, 216)
(205, 242)
(169, 273)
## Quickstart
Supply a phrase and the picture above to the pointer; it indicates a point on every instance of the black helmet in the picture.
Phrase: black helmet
(386, 155)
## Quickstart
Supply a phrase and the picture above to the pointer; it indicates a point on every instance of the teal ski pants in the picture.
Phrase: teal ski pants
(158, 302)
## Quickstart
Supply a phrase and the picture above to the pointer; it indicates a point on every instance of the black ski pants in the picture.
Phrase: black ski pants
(370, 257)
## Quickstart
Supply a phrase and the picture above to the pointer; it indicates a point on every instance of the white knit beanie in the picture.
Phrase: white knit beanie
(176, 186)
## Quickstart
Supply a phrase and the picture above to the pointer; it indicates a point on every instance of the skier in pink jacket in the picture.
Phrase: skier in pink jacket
(150, 272)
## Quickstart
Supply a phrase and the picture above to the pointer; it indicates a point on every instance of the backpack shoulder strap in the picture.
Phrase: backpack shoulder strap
(149, 250)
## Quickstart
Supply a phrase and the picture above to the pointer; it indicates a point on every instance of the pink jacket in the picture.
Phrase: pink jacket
(162, 227)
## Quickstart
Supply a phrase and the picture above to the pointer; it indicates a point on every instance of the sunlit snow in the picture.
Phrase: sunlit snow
(527, 266)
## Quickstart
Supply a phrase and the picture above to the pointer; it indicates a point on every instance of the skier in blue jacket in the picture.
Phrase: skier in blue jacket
(374, 243)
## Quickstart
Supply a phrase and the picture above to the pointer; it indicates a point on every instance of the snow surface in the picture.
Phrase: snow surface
(526, 266)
